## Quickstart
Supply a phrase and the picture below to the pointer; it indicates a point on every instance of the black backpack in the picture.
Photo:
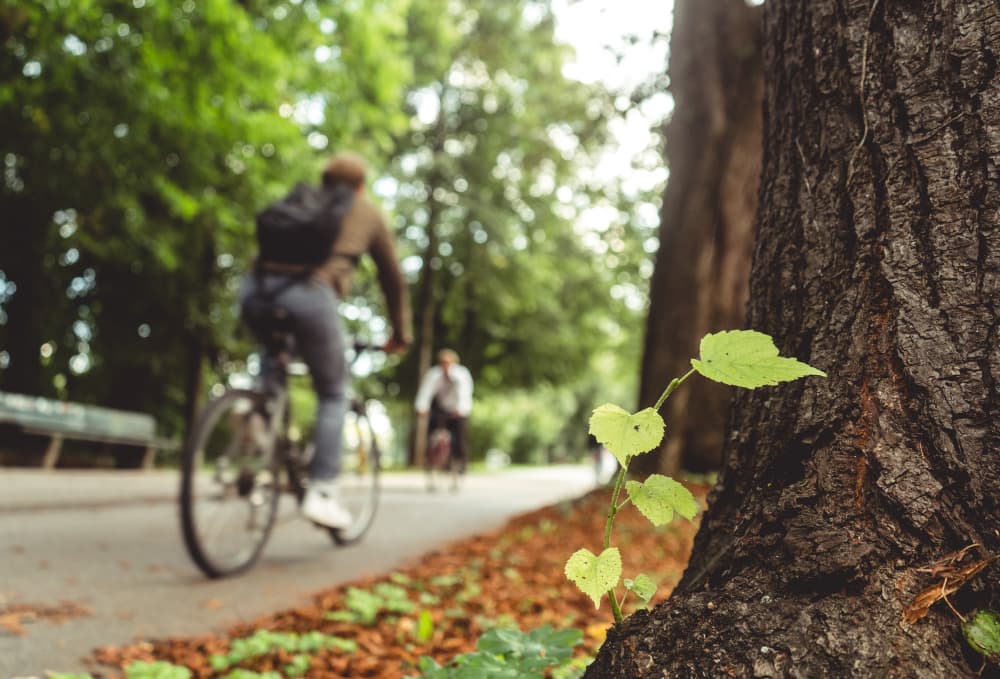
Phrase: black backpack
(302, 227)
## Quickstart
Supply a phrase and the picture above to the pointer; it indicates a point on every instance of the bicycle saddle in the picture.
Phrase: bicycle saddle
(271, 323)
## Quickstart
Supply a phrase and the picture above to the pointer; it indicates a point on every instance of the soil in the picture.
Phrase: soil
(513, 576)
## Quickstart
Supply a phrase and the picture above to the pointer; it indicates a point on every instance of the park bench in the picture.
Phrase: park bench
(58, 421)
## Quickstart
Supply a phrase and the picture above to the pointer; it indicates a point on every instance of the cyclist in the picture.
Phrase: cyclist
(445, 394)
(310, 296)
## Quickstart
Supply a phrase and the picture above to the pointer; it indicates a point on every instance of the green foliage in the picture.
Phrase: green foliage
(739, 357)
(574, 669)
(747, 358)
(264, 642)
(595, 575)
(250, 674)
(156, 670)
(425, 627)
(658, 497)
(364, 606)
(140, 139)
(626, 435)
(494, 176)
(643, 587)
(139, 670)
(527, 423)
(508, 654)
(298, 666)
(982, 631)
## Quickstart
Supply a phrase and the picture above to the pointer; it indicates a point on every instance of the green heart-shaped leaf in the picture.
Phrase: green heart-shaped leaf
(626, 435)
(643, 587)
(747, 358)
(659, 497)
(595, 575)
(982, 631)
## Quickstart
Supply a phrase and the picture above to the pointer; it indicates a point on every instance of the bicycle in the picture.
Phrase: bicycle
(240, 458)
(439, 457)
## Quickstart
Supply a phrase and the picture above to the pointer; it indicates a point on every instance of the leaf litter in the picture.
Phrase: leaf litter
(511, 577)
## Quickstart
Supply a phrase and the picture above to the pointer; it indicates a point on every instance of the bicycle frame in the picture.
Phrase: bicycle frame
(249, 461)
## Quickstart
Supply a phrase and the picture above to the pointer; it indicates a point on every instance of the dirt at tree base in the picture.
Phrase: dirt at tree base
(512, 576)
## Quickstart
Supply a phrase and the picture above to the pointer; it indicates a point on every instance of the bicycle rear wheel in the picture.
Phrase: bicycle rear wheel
(439, 459)
(358, 482)
(230, 484)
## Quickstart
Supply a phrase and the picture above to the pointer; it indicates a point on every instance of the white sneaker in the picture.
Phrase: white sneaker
(320, 506)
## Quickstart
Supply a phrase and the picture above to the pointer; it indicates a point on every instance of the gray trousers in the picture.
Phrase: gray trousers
(319, 341)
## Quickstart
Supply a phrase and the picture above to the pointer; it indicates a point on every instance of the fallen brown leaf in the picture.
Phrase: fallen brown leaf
(952, 577)
(510, 576)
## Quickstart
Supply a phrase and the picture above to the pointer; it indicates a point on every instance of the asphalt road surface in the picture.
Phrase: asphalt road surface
(119, 563)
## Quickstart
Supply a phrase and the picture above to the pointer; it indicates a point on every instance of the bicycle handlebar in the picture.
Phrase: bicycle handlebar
(360, 346)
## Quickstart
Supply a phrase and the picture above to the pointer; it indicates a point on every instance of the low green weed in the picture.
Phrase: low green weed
(364, 606)
(138, 670)
(263, 642)
(508, 654)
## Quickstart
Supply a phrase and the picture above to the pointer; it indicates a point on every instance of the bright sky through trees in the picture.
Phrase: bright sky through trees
(622, 44)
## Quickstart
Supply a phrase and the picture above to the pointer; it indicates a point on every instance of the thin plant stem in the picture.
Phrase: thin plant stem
(614, 507)
(672, 387)
(612, 511)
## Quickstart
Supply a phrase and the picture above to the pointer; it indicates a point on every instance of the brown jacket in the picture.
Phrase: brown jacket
(364, 231)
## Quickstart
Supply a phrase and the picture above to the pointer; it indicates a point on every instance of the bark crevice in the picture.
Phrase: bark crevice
(837, 495)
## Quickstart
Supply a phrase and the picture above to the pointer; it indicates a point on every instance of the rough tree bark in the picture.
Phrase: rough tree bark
(700, 280)
(878, 260)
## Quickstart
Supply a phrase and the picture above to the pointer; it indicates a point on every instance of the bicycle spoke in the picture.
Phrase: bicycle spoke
(229, 492)
(357, 485)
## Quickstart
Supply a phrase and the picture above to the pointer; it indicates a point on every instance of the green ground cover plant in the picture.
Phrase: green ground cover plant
(508, 654)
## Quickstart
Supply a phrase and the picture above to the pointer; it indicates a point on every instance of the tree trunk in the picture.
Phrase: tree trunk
(700, 280)
(194, 356)
(22, 259)
(878, 260)
(427, 296)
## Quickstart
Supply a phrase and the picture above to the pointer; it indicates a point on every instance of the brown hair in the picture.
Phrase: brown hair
(345, 167)
(449, 355)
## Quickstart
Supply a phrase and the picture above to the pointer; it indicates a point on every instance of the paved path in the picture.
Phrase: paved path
(110, 542)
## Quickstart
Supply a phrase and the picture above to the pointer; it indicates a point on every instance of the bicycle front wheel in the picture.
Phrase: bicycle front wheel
(229, 484)
(358, 482)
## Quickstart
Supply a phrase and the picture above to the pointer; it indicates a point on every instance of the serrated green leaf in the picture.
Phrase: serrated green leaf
(982, 631)
(747, 358)
(626, 435)
(595, 575)
(643, 587)
(659, 497)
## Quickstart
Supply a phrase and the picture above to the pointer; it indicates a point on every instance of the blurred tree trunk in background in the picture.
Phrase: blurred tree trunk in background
(25, 242)
(706, 224)
(426, 311)
(846, 501)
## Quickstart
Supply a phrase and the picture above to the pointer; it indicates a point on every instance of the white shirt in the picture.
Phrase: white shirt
(435, 384)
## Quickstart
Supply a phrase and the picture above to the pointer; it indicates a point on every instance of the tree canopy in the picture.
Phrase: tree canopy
(140, 138)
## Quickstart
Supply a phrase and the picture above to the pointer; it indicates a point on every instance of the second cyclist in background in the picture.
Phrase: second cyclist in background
(445, 395)
(310, 243)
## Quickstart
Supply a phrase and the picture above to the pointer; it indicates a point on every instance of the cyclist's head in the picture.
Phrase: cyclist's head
(447, 357)
(345, 168)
